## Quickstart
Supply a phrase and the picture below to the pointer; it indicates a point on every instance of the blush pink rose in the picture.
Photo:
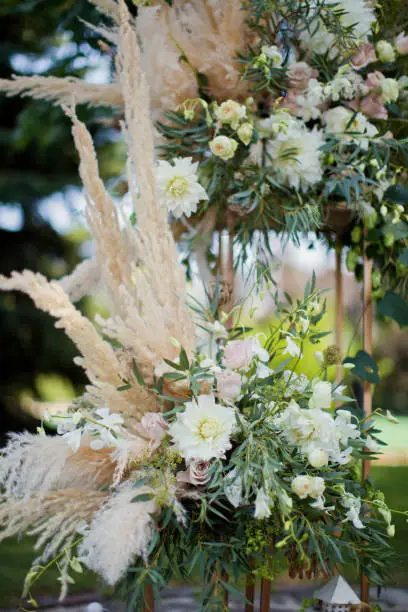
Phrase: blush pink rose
(372, 106)
(238, 354)
(401, 44)
(364, 55)
(228, 385)
(374, 80)
(197, 473)
(152, 426)
(300, 74)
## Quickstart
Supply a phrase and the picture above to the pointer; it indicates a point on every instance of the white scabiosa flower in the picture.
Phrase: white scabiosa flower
(296, 156)
(178, 186)
(203, 430)
(223, 147)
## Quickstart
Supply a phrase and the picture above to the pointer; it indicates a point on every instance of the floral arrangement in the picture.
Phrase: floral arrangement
(184, 455)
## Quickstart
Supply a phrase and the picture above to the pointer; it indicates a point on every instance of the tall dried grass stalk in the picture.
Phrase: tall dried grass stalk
(62, 90)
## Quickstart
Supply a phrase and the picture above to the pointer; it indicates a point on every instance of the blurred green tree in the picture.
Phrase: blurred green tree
(38, 159)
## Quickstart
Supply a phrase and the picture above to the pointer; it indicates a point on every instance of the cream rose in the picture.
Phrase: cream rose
(245, 133)
(318, 458)
(231, 112)
(389, 90)
(223, 147)
(385, 51)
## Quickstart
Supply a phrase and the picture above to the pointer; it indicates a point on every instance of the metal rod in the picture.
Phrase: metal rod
(149, 598)
(339, 305)
(367, 395)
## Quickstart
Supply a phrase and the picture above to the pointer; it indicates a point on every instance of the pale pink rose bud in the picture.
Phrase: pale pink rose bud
(197, 473)
(238, 354)
(372, 106)
(364, 55)
(300, 74)
(152, 426)
(374, 80)
(228, 385)
(401, 44)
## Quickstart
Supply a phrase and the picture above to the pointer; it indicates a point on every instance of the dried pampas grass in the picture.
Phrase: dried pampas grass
(119, 531)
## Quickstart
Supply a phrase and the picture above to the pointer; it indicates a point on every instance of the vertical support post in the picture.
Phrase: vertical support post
(266, 584)
(149, 598)
(339, 305)
(250, 589)
(367, 395)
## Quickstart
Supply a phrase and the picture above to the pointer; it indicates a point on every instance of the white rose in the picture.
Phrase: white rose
(231, 112)
(389, 90)
(223, 147)
(245, 133)
(385, 51)
(301, 485)
(318, 458)
(273, 53)
(321, 395)
(262, 505)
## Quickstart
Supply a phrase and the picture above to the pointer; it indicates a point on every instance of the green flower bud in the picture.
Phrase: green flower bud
(371, 220)
(389, 239)
(351, 260)
(356, 234)
(376, 279)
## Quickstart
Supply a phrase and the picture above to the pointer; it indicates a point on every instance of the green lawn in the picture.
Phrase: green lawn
(15, 557)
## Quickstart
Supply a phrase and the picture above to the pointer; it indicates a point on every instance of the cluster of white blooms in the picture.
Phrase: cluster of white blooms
(318, 436)
(353, 507)
(178, 187)
(296, 154)
(349, 127)
(357, 13)
(346, 84)
(234, 115)
(102, 427)
(308, 486)
(309, 103)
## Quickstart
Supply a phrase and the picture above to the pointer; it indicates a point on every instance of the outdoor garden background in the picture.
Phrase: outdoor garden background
(41, 227)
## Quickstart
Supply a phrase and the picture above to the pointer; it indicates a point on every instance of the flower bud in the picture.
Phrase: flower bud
(318, 458)
(385, 51)
(223, 147)
(389, 239)
(245, 133)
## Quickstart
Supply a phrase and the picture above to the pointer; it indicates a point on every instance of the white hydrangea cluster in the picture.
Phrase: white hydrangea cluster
(319, 436)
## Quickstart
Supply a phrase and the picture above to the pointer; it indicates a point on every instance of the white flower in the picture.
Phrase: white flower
(223, 147)
(391, 531)
(291, 347)
(308, 486)
(346, 84)
(321, 395)
(349, 127)
(203, 429)
(296, 155)
(318, 458)
(353, 506)
(263, 505)
(372, 445)
(391, 417)
(245, 133)
(231, 112)
(178, 186)
(218, 330)
(309, 102)
(389, 90)
(296, 383)
(73, 439)
(273, 53)
(233, 488)
(285, 501)
(356, 13)
(109, 419)
(385, 51)
(275, 123)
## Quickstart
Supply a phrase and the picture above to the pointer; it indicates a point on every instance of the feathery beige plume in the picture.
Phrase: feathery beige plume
(39, 464)
(99, 360)
(84, 280)
(62, 90)
(119, 531)
(209, 34)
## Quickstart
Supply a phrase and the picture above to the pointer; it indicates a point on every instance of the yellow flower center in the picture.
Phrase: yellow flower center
(208, 428)
(178, 186)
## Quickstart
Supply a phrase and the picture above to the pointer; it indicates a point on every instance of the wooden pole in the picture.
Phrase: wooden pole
(149, 598)
(367, 394)
(266, 584)
(250, 588)
(339, 306)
